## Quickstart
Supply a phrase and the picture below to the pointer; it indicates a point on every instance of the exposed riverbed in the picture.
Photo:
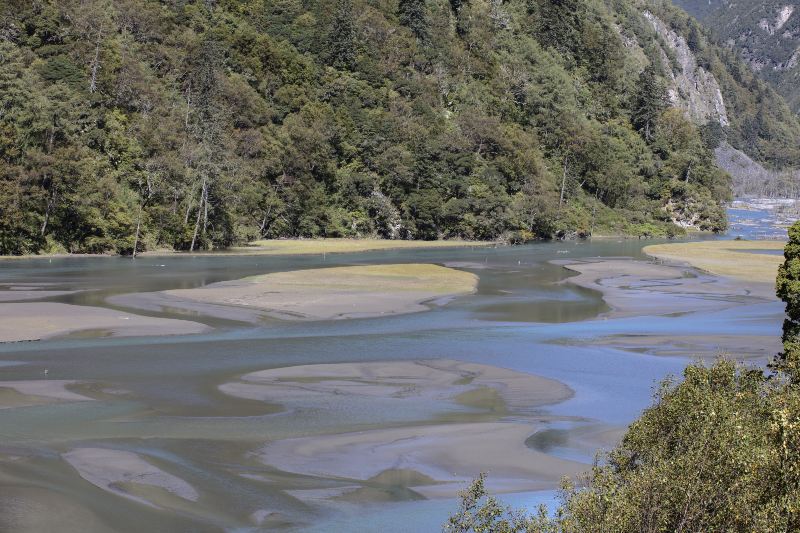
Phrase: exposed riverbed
(377, 422)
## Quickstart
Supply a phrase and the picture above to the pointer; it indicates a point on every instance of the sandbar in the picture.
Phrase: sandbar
(37, 392)
(18, 295)
(439, 380)
(633, 287)
(746, 260)
(115, 470)
(40, 320)
(711, 346)
(429, 457)
(318, 294)
(31, 509)
(449, 455)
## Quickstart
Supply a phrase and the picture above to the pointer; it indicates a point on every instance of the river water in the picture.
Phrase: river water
(522, 317)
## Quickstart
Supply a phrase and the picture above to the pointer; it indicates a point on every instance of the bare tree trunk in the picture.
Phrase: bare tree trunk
(50, 202)
(95, 64)
(188, 210)
(138, 227)
(205, 209)
(52, 137)
(563, 185)
(199, 215)
(264, 222)
(188, 105)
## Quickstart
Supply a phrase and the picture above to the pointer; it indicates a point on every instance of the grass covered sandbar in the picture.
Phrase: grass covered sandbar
(340, 292)
(748, 260)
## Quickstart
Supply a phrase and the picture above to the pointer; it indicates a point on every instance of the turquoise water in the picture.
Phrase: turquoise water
(522, 317)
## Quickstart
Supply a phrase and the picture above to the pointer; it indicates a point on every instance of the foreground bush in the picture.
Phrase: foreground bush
(718, 452)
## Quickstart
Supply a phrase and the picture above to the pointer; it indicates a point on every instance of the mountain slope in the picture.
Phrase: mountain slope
(136, 123)
(765, 33)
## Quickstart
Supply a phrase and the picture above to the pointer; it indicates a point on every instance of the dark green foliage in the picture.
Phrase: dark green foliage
(560, 23)
(788, 288)
(343, 37)
(210, 124)
(649, 101)
(413, 14)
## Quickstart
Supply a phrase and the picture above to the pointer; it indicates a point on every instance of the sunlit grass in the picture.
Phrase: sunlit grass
(380, 279)
(737, 259)
(319, 246)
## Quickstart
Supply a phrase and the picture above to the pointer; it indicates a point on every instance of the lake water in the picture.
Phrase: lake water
(522, 318)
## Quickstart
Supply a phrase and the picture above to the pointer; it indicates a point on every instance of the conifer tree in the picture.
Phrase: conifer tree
(413, 14)
(343, 37)
(648, 103)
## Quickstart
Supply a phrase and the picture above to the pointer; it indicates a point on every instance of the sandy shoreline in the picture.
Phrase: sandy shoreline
(288, 247)
(317, 294)
(335, 246)
(42, 320)
(19, 295)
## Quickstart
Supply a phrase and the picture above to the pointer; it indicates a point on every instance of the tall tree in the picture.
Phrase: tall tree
(649, 101)
(414, 15)
(342, 46)
(206, 128)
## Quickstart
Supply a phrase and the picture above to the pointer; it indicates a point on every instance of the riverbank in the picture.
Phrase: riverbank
(291, 247)
(30, 321)
(317, 294)
(337, 246)
(753, 261)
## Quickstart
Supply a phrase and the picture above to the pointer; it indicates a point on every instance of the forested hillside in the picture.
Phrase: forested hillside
(766, 34)
(134, 124)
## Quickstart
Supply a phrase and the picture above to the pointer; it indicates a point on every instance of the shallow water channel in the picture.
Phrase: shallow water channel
(158, 396)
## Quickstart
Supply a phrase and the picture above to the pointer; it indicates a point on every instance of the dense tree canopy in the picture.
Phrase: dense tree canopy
(137, 124)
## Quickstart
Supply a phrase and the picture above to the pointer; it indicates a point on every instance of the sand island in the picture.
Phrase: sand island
(318, 294)
(632, 287)
(29, 321)
(432, 458)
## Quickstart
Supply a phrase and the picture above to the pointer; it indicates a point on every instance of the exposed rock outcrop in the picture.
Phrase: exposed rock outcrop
(693, 88)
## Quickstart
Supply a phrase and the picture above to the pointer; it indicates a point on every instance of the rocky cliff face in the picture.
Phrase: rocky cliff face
(693, 88)
(766, 33)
